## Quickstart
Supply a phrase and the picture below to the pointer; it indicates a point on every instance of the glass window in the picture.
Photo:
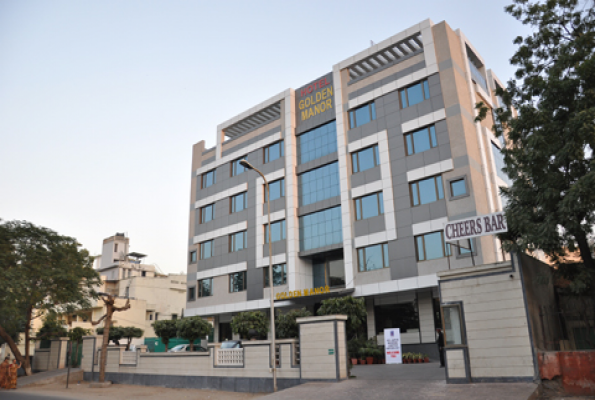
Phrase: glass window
(279, 275)
(369, 206)
(415, 94)
(206, 249)
(499, 161)
(208, 179)
(431, 246)
(458, 188)
(272, 152)
(193, 256)
(373, 257)
(277, 189)
(236, 167)
(237, 282)
(319, 184)
(239, 202)
(328, 272)
(192, 293)
(238, 241)
(453, 327)
(205, 287)
(463, 247)
(320, 229)
(477, 76)
(365, 159)
(277, 231)
(207, 213)
(421, 140)
(318, 142)
(403, 316)
(426, 191)
(362, 115)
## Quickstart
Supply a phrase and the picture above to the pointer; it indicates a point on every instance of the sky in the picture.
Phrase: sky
(101, 101)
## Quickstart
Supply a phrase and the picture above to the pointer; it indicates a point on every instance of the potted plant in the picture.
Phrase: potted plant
(353, 361)
(426, 358)
(416, 358)
(405, 358)
(369, 355)
(362, 356)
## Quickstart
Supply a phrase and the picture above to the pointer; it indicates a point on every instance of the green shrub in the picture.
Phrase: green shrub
(286, 326)
(248, 321)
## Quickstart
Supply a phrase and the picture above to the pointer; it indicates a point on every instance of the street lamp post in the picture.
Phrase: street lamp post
(247, 165)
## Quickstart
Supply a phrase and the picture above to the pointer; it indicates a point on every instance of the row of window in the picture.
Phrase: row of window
(238, 282)
(239, 240)
(408, 97)
(239, 201)
(270, 153)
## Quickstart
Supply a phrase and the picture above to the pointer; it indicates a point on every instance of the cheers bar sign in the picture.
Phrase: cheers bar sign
(490, 224)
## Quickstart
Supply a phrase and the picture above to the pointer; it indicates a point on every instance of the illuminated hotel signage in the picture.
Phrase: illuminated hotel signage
(467, 228)
(301, 293)
(316, 98)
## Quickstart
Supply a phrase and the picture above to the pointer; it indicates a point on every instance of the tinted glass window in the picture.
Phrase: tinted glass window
(273, 152)
(277, 189)
(193, 256)
(426, 191)
(319, 184)
(207, 213)
(237, 282)
(205, 287)
(458, 188)
(499, 161)
(431, 246)
(237, 241)
(208, 178)
(206, 250)
(365, 159)
(421, 140)
(279, 275)
(277, 231)
(236, 167)
(318, 142)
(362, 115)
(239, 202)
(320, 229)
(369, 206)
(373, 257)
(415, 94)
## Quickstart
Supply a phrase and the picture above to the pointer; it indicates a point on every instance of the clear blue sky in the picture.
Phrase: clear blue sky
(101, 101)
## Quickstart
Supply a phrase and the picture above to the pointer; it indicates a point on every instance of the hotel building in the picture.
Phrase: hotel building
(366, 164)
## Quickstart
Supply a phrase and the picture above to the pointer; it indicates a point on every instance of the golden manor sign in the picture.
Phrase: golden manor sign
(301, 293)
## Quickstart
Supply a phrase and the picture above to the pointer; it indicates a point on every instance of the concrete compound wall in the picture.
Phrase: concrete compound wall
(52, 358)
(323, 358)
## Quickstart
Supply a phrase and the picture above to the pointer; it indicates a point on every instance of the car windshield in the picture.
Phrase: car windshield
(178, 347)
(229, 345)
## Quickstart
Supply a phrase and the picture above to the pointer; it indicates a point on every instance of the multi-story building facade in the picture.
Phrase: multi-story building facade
(366, 164)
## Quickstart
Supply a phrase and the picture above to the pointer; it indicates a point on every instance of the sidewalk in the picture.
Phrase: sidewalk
(42, 378)
(357, 389)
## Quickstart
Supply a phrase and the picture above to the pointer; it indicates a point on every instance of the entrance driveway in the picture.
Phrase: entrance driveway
(403, 382)
(399, 372)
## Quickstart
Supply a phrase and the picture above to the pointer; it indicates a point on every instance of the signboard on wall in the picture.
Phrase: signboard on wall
(482, 225)
(392, 346)
(316, 99)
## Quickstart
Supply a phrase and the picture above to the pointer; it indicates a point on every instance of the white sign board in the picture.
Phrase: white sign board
(482, 225)
(392, 346)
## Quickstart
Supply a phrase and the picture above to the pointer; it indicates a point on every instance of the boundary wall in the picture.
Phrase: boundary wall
(322, 356)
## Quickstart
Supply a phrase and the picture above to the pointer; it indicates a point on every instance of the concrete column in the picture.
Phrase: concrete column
(323, 348)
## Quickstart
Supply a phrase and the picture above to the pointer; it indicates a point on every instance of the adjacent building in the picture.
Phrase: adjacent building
(365, 164)
(153, 295)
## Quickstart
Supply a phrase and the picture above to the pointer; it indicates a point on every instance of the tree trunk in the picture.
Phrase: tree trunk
(13, 346)
(106, 326)
(192, 345)
(583, 246)
(27, 363)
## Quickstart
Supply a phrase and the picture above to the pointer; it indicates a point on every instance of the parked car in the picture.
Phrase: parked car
(185, 347)
(231, 344)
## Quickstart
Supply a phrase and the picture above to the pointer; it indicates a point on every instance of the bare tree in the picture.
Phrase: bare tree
(111, 308)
